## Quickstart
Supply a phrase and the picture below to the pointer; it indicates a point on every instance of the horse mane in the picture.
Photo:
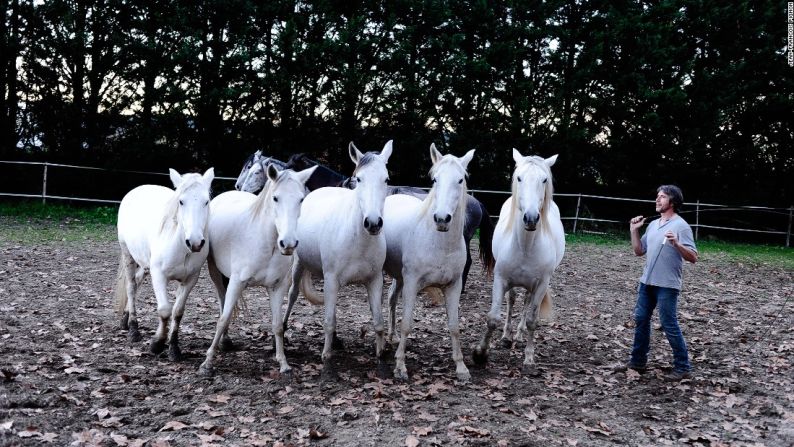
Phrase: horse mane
(540, 162)
(368, 158)
(264, 196)
(189, 181)
(428, 202)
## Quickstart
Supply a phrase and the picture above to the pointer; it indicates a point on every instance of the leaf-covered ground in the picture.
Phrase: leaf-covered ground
(68, 376)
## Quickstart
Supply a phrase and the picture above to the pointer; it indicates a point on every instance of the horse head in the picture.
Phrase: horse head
(249, 163)
(371, 178)
(448, 195)
(532, 187)
(191, 206)
(284, 196)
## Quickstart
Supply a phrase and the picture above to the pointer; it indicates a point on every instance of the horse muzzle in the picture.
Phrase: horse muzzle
(287, 249)
(195, 248)
(530, 222)
(442, 222)
(373, 228)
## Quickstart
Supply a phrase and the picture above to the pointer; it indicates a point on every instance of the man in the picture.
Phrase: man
(668, 242)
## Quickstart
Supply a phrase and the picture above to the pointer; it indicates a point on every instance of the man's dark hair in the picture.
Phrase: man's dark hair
(675, 195)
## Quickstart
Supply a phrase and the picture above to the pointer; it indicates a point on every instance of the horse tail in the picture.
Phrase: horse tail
(546, 311)
(486, 238)
(121, 286)
(436, 295)
(308, 290)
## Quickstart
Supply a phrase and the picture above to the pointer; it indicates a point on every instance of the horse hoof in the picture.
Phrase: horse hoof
(329, 374)
(506, 343)
(464, 376)
(529, 370)
(337, 344)
(125, 320)
(286, 377)
(383, 370)
(174, 353)
(206, 370)
(157, 346)
(479, 356)
(134, 336)
(227, 345)
(401, 375)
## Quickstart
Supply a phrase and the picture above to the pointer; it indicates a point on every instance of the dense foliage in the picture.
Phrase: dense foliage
(629, 93)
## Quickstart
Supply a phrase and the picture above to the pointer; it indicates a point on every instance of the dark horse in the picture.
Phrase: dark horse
(476, 214)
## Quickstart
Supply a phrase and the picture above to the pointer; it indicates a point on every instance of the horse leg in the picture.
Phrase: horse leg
(277, 326)
(132, 276)
(522, 323)
(452, 294)
(409, 300)
(467, 266)
(221, 283)
(506, 339)
(233, 293)
(164, 308)
(375, 293)
(329, 325)
(182, 292)
(394, 292)
(531, 313)
(297, 273)
(480, 352)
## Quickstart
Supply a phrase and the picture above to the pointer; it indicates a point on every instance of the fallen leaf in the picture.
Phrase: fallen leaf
(211, 438)
(6, 425)
(119, 439)
(173, 425)
(479, 432)
(423, 431)
(411, 441)
(74, 370)
(286, 409)
(220, 398)
(48, 437)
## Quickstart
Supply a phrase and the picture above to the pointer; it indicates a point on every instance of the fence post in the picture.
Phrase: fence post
(44, 186)
(576, 217)
(697, 219)
(788, 232)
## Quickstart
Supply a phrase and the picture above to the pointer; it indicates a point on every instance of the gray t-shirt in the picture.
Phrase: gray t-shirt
(664, 263)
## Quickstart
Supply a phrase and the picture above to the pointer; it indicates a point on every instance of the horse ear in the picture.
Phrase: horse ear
(208, 177)
(517, 156)
(303, 176)
(386, 152)
(551, 160)
(176, 178)
(355, 154)
(272, 172)
(466, 159)
(435, 155)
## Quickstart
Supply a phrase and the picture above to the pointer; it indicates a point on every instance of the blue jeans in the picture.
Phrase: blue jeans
(648, 298)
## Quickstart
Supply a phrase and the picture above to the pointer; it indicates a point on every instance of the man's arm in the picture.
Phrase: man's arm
(687, 253)
(634, 228)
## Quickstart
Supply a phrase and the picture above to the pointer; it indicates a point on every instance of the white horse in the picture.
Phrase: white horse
(425, 247)
(246, 233)
(341, 239)
(528, 245)
(162, 232)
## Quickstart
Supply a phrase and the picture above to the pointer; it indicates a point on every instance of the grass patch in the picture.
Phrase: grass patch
(35, 223)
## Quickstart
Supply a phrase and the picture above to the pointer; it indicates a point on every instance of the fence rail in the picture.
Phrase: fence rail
(577, 219)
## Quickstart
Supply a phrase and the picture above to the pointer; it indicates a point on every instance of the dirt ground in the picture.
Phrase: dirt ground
(69, 376)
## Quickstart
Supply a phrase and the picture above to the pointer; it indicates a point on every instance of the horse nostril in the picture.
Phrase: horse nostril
(296, 244)
(380, 221)
(366, 223)
(187, 242)
(201, 245)
(282, 244)
(448, 218)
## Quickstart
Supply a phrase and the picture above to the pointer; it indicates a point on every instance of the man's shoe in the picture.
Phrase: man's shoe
(623, 367)
(677, 376)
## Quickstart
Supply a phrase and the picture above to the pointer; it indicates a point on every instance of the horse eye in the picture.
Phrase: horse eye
(387, 180)
(206, 203)
(460, 181)
(519, 179)
(434, 180)
(544, 180)
(275, 199)
(301, 201)
(181, 203)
